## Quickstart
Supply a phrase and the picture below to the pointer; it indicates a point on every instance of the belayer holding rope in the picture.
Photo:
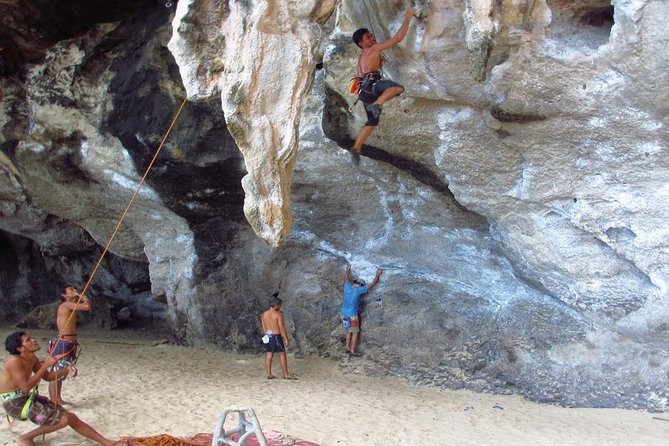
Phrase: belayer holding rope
(374, 90)
(19, 378)
(23, 371)
(65, 346)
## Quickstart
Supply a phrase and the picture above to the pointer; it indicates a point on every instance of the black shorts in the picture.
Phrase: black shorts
(275, 344)
(370, 92)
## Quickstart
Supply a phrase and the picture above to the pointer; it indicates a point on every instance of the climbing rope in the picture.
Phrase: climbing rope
(132, 200)
(169, 440)
(121, 218)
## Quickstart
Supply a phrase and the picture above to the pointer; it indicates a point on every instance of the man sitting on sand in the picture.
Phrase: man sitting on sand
(19, 378)
(275, 338)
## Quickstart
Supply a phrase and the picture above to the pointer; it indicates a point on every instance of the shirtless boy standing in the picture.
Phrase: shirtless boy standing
(275, 338)
(64, 346)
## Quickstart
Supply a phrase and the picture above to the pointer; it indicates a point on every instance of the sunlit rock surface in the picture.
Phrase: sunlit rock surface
(515, 195)
(259, 56)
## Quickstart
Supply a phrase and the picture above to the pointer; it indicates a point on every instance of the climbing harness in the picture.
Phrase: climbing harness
(357, 85)
(59, 344)
(361, 85)
(60, 348)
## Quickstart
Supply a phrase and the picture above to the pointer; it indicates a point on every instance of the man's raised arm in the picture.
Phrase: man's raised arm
(80, 304)
(399, 35)
(348, 274)
(379, 271)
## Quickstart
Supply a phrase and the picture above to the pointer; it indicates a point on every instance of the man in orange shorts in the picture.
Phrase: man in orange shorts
(354, 289)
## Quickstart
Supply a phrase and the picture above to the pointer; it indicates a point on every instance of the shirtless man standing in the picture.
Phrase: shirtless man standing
(275, 337)
(375, 90)
(64, 346)
(21, 373)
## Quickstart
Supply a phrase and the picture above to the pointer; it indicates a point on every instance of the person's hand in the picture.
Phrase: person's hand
(72, 371)
(410, 12)
(49, 361)
(379, 271)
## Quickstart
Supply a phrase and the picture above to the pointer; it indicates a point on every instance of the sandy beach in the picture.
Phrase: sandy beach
(132, 383)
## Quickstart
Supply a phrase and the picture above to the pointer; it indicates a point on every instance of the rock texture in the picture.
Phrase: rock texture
(261, 62)
(514, 195)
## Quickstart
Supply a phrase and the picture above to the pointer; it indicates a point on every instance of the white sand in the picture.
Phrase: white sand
(129, 385)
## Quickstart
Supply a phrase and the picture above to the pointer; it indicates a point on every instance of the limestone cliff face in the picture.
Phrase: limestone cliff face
(514, 195)
(259, 56)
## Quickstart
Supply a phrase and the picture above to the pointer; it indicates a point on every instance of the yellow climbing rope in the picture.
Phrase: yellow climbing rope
(132, 200)
(169, 440)
(123, 215)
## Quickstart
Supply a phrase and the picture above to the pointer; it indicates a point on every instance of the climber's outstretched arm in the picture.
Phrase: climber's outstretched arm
(399, 35)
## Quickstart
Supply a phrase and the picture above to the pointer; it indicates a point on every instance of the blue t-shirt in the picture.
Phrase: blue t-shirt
(352, 297)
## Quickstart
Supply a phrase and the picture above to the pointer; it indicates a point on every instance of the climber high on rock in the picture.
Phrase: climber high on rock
(374, 89)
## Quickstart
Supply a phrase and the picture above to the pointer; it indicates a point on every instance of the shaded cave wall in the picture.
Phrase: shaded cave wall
(35, 275)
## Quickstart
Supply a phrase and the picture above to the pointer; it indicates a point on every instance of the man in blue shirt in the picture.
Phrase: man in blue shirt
(354, 289)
